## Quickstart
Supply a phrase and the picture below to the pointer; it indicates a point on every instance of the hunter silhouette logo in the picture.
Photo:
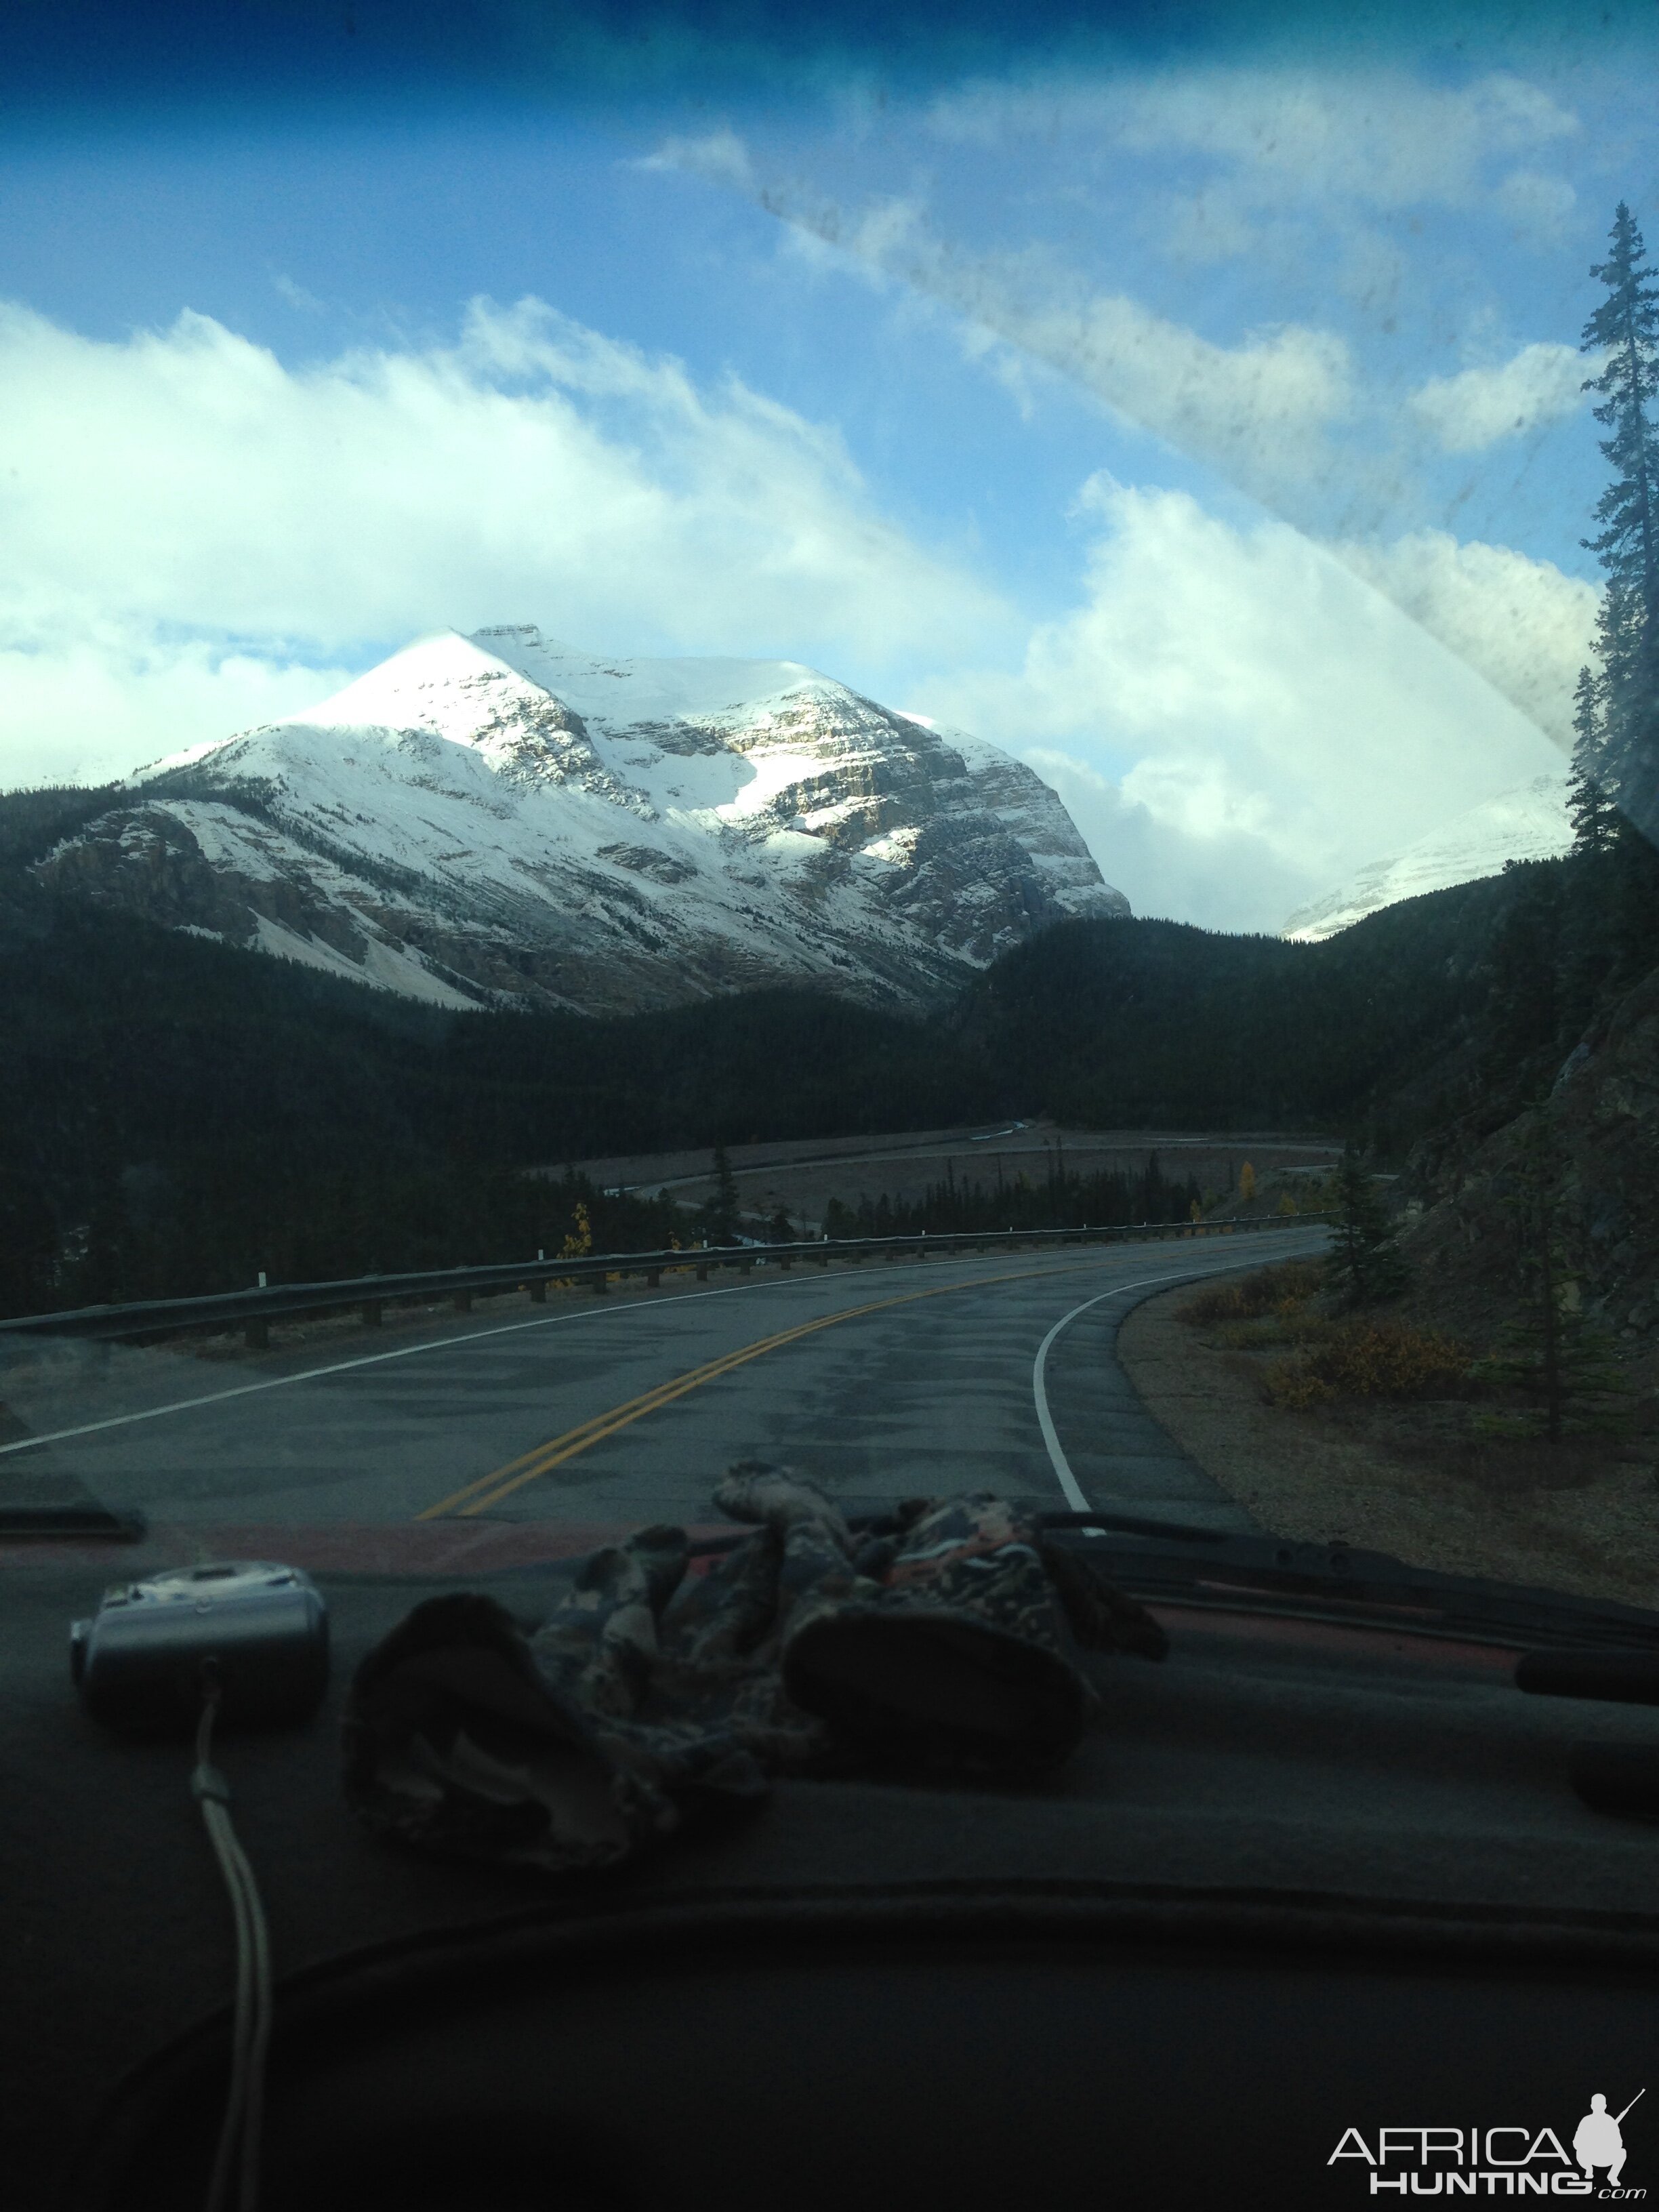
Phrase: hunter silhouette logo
(1515, 2161)
(1598, 2141)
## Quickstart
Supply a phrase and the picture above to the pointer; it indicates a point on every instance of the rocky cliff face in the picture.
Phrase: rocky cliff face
(1604, 1109)
(497, 819)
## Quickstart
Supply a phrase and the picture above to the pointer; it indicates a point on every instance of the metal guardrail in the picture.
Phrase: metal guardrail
(252, 1311)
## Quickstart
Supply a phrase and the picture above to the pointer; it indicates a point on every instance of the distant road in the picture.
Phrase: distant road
(791, 1165)
(1080, 1147)
(879, 1382)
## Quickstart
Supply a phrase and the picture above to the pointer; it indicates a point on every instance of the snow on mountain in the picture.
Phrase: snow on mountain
(498, 819)
(1529, 824)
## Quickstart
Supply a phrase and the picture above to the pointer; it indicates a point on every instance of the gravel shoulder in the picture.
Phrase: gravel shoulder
(1375, 1476)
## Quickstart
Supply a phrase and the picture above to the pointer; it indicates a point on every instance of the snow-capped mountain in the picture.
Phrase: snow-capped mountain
(498, 819)
(1529, 824)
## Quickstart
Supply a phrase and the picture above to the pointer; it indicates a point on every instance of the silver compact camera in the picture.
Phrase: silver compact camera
(256, 1633)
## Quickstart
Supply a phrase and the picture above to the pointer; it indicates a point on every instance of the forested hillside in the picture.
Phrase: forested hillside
(1544, 1187)
(176, 1115)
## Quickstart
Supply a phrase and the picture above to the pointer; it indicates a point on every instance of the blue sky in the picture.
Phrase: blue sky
(1199, 421)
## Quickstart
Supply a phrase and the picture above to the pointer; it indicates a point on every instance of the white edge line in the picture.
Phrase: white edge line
(1069, 1484)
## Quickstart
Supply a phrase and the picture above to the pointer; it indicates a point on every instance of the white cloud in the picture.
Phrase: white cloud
(89, 705)
(1378, 137)
(1287, 137)
(1476, 407)
(191, 525)
(1225, 880)
(1237, 720)
(1537, 204)
(1520, 623)
(1257, 409)
(719, 156)
(296, 294)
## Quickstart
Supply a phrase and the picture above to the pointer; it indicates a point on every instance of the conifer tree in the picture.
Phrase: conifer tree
(721, 1210)
(1553, 1350)
(1365, 1263)
(1594, 815)
(1624, 331)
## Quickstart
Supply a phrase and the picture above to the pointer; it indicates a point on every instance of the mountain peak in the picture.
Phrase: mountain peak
(1530, 822)
(500, 818)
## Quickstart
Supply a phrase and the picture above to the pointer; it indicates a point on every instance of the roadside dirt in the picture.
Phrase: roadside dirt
(1399, 1477)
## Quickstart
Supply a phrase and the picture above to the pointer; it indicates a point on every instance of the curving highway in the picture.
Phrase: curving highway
(879, 1382)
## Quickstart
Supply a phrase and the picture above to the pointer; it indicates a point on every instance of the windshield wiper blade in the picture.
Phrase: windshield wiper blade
(1136, 1524)
(1223, 1571)
(1228, 1572)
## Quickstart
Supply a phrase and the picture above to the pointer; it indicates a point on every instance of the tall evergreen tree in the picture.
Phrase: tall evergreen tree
(1594, 815)
(1624, 331)
(719, 1210)
(1560, 1358)
(1365, 1263)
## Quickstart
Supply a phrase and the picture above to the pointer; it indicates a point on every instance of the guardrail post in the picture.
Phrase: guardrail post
(371, 1313)
(745, 1267)
(652, 1277)
(538, 1293)
(702, 1271)
(601, 1285)
(256, 1334)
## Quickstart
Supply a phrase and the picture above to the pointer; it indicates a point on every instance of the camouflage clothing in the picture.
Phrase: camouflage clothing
(947, 1639)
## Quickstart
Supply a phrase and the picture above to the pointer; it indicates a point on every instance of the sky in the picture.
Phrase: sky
(1197, 417)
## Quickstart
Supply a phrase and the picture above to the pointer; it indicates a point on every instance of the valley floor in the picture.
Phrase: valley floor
(803, 1174)
(1387, 1477)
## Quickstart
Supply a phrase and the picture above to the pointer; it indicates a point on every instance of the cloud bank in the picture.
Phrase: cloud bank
(1236, 719)
(197, 534)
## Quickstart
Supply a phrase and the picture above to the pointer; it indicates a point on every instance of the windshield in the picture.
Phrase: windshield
(979, 699)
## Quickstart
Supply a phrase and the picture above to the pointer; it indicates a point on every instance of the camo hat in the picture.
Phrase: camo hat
(960, 1643)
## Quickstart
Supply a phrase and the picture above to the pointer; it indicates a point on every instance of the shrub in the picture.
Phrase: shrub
(1369, 1360)
(1276, 1289)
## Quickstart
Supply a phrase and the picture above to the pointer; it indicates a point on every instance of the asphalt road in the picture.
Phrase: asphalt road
(879, 1381)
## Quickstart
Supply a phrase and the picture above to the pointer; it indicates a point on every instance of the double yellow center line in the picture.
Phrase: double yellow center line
(491, 1489)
